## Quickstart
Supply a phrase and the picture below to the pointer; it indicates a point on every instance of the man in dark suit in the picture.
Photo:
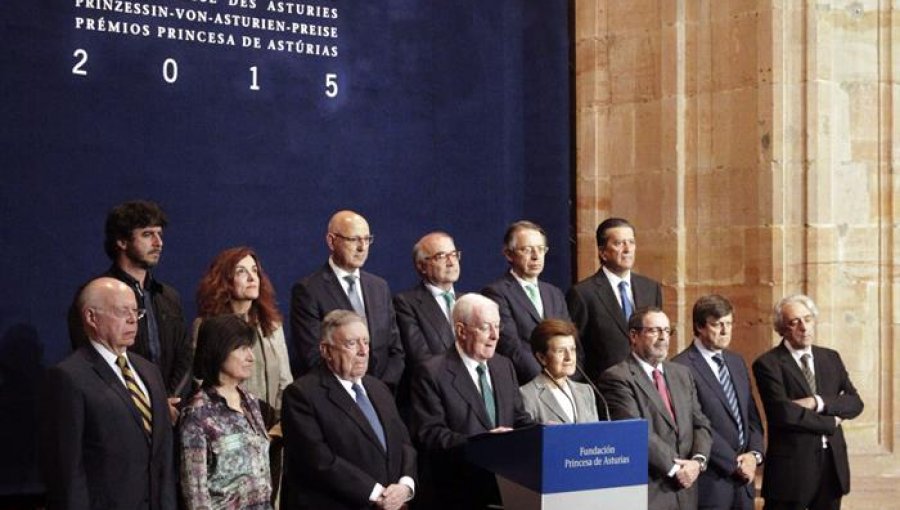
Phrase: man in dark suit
(601, 304)
(645, 386)
(467, 390)
(523, 299)
(723, 387)
(341, 284)
(806, 393)
(106, 437)
(134, 243)
(345, 445)
(424, 312)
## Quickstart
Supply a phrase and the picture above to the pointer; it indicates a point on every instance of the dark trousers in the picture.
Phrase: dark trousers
(827, 496)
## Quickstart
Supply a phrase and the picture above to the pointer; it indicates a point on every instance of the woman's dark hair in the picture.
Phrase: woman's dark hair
(219, 336)
(547, 329)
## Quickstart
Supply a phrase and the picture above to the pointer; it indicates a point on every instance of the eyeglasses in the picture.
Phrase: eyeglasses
(532, 250)
(124, 313)
(364, 240)
(485, 327)
(656, 331)
(442, 256)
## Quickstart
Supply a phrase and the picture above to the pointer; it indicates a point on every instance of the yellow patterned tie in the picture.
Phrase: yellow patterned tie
(137, 396)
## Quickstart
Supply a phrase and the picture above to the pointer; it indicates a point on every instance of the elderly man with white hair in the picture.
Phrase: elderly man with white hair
(465, 391)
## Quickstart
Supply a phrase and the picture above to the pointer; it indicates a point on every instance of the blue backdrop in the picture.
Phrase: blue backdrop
(448, 115)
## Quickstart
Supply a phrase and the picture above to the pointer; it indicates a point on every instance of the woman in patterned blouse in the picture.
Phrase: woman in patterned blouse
(224, 444)
(236, 283)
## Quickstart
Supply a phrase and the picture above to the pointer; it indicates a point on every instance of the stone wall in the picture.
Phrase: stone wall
(751, 143)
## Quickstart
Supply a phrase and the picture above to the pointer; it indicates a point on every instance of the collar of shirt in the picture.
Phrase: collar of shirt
(708, 355)
(436, 291)
(149, 283)
(797, 354)
(647, 367)
(523, 282)
(472, 366)
(348, 385)
(340, 274)
(110, 358)
(614, 280)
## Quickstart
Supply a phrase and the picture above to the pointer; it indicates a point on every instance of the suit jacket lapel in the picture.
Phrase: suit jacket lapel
(520, 297)
(466, 388)
(434, 315)
(642, 293)
(545, 394)
(609, 300)
(343, 401)
(102, 368)
(650, 391)
(791, 368)
(336, 290)
(709, 378)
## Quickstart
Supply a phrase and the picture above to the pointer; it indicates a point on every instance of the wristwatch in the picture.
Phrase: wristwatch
(700, 460)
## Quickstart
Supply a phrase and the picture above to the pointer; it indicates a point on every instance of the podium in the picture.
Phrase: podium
(589, 465)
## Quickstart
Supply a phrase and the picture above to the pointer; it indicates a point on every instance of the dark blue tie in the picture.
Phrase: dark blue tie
(366, 407)
(730, 395)
(626, 303)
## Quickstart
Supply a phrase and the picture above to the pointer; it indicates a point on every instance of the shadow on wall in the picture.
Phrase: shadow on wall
(21, 372)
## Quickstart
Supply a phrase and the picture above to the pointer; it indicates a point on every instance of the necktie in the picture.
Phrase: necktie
(487, 394)
(365, 405)
(808, 374)
(663, 390)
(535, 299)
(137, 396)
(355, 301)
(449, 300)
(730, 395)
(626, 303)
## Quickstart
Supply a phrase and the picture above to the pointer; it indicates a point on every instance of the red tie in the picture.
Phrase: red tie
(663, 391)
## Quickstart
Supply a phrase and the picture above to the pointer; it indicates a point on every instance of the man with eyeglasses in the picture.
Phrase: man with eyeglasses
(346, 447)
(807, 394)
(646, 386)
(601, 304)
(725, 393)
(341, 284)
(524, 300)
(106, 437)
(134, 243)
(465, 391)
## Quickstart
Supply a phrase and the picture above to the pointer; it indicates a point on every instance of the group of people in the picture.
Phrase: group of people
(147, 413)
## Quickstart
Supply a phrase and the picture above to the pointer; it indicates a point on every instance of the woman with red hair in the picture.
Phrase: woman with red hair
(236, 284)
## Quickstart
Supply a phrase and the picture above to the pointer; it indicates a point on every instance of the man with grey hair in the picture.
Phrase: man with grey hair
(424, 313)
(524, 300)
(465, 391)
(807, 394)
(344, 442)
(106, 438)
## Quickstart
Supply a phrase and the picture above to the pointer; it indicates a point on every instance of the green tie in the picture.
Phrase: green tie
(448, 298)
(487, 394)
(533, 295)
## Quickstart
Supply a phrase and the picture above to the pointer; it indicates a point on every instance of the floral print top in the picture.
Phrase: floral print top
(224, 454)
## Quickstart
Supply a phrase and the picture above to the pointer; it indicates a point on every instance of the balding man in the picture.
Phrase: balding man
(106, 435)
(341, 284)
(465, 391)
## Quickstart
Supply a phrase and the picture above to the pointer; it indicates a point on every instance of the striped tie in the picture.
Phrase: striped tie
(730, 396)
(808, 373)
(137, 396)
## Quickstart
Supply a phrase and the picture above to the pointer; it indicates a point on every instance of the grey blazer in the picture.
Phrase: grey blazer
(542, 405)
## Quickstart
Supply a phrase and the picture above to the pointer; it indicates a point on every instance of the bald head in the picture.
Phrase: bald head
(437, 260)
(109, 313)
(348, 240)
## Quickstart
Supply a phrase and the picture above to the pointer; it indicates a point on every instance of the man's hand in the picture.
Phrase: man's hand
(394, 497)
(807, 402)
(687, 475)
(746, 467)
(173, 409)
